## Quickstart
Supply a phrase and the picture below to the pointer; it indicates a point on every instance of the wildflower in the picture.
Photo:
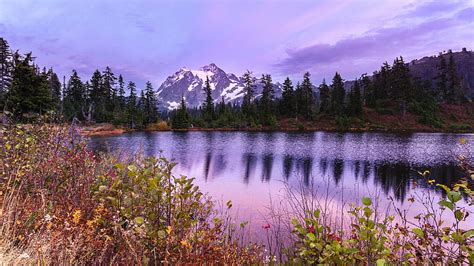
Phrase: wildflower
(24, 255)
(48, 218)
(185, 243)
(76, 216)
(266, 226)
(311, 229)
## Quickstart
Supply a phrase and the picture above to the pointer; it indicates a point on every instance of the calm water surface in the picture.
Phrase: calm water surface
(248, 167)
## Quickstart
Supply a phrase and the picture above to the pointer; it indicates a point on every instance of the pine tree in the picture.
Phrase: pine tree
(382, 83)
(121, 93)
(288, 104)
(324, 97)
(369, 92)
(442, 78)
(109, 93)
(74, 97)
(248, 107)
(150, 109)
(337, 95)
(454, 91)
(266, 102)
(208, 105)
(306, 103)
(29, 90)
(98, 97)
(132, 110)
(6, 69)
(180, 118)
(355, 101)
(55, 88)
(401, 84)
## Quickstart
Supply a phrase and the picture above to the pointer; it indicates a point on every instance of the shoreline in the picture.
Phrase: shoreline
(110, 130)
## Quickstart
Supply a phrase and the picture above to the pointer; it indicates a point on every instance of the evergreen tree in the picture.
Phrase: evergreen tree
(180, 118)
(442, 79)
(132, 110)
(6, 69)
(248, 107)
(55, 89)
(29, 91)
(208, 105)
(382, 83)
(150, 108)
(355, 101)
(369, 92)
(121, 93)
(74, 97)
(288, 104)
(337, 95)
(306, 97)
(109, 93)
(454, 91)
(98, 97)
(266, 102)
(324, 97)
(401, 84)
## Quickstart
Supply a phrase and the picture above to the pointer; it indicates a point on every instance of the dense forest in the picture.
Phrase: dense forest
(27, 92)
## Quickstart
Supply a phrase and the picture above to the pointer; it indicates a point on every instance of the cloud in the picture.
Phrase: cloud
(375, 44)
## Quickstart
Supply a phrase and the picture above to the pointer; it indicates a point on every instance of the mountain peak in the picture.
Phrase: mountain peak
(211, 68)
(190, 83)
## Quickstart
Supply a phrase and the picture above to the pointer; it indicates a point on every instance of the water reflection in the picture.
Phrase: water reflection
(388, 162)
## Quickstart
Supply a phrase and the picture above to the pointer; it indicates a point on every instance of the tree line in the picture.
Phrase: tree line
(26, 92)
(390, 90)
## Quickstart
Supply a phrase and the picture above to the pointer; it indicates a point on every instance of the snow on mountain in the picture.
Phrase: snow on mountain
(189, 83)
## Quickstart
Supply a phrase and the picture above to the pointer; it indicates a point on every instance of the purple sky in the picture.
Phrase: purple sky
(149, 40)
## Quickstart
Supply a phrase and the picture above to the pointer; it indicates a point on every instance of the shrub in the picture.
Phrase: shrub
(160, 126)
(63, 204)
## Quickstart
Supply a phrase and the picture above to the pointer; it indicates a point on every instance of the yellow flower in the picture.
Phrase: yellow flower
(185, 244)
(76, 216)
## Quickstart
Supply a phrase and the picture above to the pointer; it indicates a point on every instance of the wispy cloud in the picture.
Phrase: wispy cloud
(358, 53)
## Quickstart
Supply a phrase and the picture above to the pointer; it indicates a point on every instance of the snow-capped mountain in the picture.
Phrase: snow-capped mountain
(189, 83)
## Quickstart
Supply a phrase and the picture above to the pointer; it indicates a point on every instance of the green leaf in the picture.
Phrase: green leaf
(459, 215)
(139, 220)
(367, 212)
(132, 168)
(446, 204)
(469, 233)
(311, 236)
(447, 189)
(317, 212)
(366, 201)
(418, 232)
(161, 234)
(454, 196)
(381, 262)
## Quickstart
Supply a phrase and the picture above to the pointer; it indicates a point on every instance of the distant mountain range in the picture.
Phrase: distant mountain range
(189, 83)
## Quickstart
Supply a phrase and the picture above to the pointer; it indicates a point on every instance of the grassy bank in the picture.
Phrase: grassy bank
(452, 119)
(63, 204)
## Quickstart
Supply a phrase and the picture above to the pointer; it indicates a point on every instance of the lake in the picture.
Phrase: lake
(250, 167)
